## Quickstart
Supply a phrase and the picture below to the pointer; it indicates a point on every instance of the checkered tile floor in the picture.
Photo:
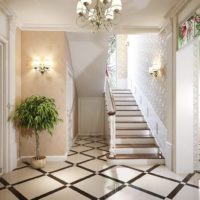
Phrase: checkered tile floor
(87, 175)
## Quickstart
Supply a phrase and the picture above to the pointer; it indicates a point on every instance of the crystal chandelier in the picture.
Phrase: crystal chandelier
(98, 14)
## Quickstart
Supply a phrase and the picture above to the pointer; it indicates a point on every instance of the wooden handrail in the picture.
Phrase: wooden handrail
(113, 111)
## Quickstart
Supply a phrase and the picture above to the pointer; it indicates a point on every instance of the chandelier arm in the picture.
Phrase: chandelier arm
(98, 16)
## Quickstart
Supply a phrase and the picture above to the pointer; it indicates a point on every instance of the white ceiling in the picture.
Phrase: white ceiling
(61, 14)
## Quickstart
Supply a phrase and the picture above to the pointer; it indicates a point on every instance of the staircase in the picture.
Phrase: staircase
(134, 143)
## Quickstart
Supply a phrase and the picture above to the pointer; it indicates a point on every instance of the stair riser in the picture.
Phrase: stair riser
(135, 141)
(120, 91)
(132, 125)
(124, 99)
(135, 162)
(132, 132)
(127, 108)
(136, 150)
(128, 113)
(122, 95)
(129, 119)
(126, 103)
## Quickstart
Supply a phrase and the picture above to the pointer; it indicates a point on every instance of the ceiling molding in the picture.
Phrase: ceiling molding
(176, 8)
(74, 28)
(51, 27)
(137, 29)
(6, 9)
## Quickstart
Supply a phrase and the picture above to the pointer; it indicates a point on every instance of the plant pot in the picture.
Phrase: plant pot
(38, 163)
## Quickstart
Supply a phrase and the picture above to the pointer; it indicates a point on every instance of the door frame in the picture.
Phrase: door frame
(8, 134)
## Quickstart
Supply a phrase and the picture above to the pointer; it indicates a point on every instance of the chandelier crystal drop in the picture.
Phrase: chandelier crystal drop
(98, 14)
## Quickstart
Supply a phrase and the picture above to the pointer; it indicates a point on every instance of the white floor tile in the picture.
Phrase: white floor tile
(77, 158)
(188, 193)
(129, 193)
(164, 171)
(155, 184)
(52, 166)
(142, 167)
(96, 145)
(97, 186)
(64, 194)
(80, 148)
(195, 180)
(20, 175)
(95, 165)
(37, 187)
(71, 174)
(95, 152)
(7, 195)
(122, 173)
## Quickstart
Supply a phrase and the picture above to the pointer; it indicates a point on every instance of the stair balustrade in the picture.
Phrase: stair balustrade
(111, 112)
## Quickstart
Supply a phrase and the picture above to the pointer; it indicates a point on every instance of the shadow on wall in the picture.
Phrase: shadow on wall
(89, 59)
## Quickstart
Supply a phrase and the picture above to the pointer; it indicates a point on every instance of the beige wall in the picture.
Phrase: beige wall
(51, 84)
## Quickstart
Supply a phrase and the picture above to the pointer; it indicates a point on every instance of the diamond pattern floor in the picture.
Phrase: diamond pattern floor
(87, 175)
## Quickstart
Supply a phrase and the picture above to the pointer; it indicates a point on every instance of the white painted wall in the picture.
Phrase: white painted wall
(184, 109)
(3, 24)
(91, 115)
(89, 58)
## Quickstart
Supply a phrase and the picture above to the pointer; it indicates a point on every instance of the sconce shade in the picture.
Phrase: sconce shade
(42, 66)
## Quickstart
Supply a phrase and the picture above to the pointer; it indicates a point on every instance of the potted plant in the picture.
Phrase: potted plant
(36, 114)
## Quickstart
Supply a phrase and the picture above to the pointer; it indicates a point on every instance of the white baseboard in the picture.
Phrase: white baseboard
(157, 127)
(49, 158)
(91, 134)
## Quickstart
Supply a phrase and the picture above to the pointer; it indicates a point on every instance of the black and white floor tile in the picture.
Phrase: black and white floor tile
(87, 175)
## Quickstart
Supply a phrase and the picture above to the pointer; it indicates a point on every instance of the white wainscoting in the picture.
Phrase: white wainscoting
(184, 109)
(91, 115)
(157, 127)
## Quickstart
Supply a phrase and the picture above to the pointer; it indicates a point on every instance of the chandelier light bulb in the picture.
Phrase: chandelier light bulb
(81, 9)
(116, 6)
(105, 1)
(109, 14)
(92, 15)
(86, 2)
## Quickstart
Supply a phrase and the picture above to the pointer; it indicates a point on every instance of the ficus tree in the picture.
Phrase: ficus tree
(36, 114)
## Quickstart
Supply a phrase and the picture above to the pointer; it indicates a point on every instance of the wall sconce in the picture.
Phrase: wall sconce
(154, 70)
(42, 66)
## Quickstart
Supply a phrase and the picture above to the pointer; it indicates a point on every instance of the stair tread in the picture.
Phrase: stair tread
(120, 89)
(136, 146)
(134, 136)
(138, 156)
(129, 115)
(122, 93)
(126, 105)
(129, 110)
(129, 128)
(131, 122)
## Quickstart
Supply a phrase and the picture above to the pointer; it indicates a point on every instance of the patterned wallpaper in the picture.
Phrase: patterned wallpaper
(121, 56)
(144, 51)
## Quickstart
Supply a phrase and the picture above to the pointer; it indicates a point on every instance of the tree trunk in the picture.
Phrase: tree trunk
(37, 145)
